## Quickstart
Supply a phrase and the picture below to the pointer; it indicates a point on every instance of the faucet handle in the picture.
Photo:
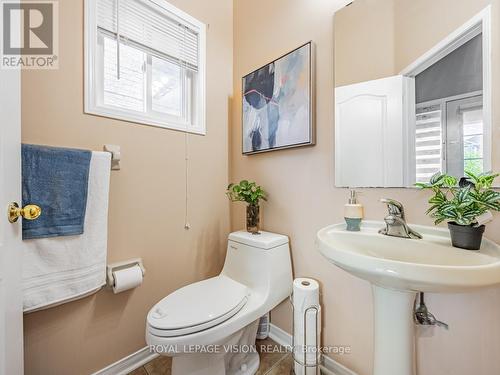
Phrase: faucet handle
(393, 220)
(442, 324)
(395, 208)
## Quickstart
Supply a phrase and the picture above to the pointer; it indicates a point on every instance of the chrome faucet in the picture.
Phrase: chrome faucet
(395, 222)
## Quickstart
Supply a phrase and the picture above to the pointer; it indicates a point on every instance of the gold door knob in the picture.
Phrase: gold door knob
(28, 212)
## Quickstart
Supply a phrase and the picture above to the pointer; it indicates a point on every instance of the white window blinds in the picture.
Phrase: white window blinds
(144, 23)
(429, 140)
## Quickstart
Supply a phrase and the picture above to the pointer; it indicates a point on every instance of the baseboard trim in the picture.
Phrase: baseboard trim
(143, 356)
(329, 366)
(129, 363)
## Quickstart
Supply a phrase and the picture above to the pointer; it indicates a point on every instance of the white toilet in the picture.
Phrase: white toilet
(209, 327)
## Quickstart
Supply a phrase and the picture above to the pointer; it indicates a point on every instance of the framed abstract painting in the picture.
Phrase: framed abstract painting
(278, 105)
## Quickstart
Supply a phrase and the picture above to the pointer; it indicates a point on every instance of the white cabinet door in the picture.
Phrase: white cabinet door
(371, 133)
(11, 314)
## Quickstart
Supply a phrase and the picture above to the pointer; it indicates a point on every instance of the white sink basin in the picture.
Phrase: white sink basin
(397, 268)
(428, 265)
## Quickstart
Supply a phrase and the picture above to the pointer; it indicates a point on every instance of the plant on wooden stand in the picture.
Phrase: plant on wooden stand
(251, 193)
(463, 204)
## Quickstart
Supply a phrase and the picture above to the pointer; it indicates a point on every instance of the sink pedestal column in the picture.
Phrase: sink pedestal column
(394, 344)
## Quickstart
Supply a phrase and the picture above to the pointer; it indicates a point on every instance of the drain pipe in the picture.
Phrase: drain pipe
(325, 371)
(423, 316)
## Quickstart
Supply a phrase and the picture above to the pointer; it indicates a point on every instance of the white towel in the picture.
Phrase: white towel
(61, 269)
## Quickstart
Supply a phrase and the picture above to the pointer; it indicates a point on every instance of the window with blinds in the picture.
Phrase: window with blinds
(428, 141)
(145, 63)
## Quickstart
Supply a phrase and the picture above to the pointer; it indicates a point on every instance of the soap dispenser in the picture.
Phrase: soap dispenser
(353, 213)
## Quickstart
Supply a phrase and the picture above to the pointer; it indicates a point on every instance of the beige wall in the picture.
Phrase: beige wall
(146, 213)
(364, 41)
(302, 198)
(419, 25)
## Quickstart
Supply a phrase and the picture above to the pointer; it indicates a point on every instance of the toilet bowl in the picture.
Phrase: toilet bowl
(209, 327)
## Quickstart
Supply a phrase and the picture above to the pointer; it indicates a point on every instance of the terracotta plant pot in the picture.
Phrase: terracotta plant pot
(466, 236)
(253, 218)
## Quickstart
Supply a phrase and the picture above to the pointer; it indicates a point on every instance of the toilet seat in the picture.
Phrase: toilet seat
(197, 307)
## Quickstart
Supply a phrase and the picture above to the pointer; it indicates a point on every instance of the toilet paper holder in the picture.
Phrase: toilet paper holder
(303, 363)
(110, 268)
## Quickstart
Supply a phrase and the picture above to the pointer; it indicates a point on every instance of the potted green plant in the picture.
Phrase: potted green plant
(251, 193)
(462, 204)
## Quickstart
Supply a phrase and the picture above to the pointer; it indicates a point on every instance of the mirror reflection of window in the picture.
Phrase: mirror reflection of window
(449, 137)
(465, 136)
(472, 121)
(413, 98)
(428, 141)
(449, 130)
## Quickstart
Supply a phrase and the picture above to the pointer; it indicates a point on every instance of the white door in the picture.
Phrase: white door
(371, 132)
(11, 314)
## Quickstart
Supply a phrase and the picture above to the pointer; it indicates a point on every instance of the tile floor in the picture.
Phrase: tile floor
(273, 361)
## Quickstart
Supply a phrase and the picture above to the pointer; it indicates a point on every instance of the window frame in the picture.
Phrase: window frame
(94, 81)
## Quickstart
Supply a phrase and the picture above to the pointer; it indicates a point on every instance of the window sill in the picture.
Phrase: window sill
(131, 118)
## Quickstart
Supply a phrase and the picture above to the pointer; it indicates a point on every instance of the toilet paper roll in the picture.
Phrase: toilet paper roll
(306, 295)
(127, 278)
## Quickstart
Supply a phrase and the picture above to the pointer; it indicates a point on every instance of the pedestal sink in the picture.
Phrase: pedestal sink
(398, 268)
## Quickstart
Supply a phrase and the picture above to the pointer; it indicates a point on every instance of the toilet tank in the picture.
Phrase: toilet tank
(260, 261)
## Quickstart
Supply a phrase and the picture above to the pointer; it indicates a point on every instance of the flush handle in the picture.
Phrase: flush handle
(28, 212)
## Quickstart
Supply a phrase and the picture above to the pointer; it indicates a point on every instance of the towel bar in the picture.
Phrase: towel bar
(115, 156)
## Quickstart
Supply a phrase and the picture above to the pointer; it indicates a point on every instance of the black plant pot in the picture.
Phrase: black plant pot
(466, 236)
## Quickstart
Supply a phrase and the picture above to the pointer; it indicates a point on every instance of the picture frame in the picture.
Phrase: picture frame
(278, 104)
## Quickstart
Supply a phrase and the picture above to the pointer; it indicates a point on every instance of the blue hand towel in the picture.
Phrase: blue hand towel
(56, 179)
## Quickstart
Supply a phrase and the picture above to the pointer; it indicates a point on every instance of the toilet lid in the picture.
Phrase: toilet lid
(197, 306)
